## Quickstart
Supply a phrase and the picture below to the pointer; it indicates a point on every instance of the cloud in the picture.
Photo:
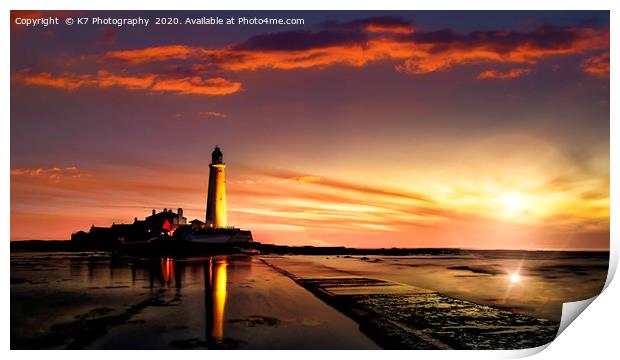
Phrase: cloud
(52, 173)
(448, 49)
(505, 75)
(106, 79)
(357, 43)
(343, 185)
(597, 65)
(383, 24)
(319, 203)
(368, 40)
(307, 179)
(197, 86)
(103, 79)
(153, 54)
(300, 40)
(377, 24)
(148, 82)
(72, 184)
(212, 114)
(65, 81)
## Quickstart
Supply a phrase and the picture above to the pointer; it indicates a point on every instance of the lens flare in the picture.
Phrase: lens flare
(515, 277)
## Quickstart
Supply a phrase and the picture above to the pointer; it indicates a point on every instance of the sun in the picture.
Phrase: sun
(515, 278)
(513, 203)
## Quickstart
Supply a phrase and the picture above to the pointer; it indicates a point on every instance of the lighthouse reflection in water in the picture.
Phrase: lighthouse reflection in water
(215, 291)
(215, 299)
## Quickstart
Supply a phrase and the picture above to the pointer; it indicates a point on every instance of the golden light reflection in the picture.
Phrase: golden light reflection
(219, 297)
(514, 278)
(167, 270)
(215, 293)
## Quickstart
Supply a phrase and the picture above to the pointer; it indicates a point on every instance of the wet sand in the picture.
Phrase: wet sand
(232, 302)
(95, 301)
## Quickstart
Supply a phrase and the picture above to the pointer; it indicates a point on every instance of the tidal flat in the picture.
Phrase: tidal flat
(91, 300)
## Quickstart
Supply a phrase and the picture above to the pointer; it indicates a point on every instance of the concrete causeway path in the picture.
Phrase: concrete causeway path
(400, 316)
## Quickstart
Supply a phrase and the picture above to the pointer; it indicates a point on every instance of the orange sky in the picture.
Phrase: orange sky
(396, 130)
(496, 195)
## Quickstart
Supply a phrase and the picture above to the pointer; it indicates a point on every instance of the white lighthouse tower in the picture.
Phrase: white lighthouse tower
(216, 196)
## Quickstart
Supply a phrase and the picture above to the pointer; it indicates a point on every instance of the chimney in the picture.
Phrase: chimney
(180, 212)
(153, 211)
(165, 209)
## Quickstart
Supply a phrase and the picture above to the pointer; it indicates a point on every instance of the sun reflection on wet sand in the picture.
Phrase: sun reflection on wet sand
(514, 278)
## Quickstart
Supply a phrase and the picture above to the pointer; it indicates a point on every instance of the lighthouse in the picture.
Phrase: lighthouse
(216, 195)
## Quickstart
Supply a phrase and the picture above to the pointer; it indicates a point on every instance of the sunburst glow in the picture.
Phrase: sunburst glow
(513, 203)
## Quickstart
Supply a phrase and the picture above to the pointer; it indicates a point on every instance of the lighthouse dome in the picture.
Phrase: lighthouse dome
(216, 156)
